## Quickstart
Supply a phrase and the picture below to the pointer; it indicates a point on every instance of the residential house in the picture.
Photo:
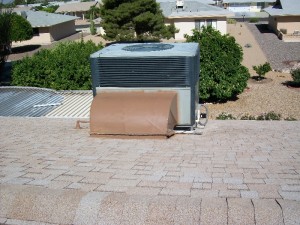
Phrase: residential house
(78, 9)
(187, 15)
(48, 27)
(284, 18)
(246, 5)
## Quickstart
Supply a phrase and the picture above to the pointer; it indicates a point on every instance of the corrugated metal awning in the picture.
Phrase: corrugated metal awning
(28, 101)
(76, 104)
(41, 102)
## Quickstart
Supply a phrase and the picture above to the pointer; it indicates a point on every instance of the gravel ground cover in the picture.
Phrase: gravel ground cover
(271, 95)
(281, 55)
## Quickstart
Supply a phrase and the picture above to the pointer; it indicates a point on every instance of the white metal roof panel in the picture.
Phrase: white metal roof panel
(76, 104)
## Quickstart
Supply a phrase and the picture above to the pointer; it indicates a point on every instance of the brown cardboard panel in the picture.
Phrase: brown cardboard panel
(134, 113)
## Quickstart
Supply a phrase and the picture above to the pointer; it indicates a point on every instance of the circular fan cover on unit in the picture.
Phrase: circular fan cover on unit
(148, 47)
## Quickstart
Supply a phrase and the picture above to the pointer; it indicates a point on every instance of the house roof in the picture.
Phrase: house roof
(22, 8)
(192, 9)
(247, 1)
(284, 8)
(75, 7)
(209, 2)
(44, 19)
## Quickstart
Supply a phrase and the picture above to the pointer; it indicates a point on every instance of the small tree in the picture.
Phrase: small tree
(13, 27)
(92, 26)
(21, 28)
(140, 20)
(296, 76)
(262, 69)
(222, 76)
(5, 37)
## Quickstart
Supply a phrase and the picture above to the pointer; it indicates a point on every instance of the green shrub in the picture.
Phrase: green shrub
(248, 117)
(269, 116)
(222, 75)
(231, 21)
(289, 118)
(296, 76)
(65, 67)
(253, 20)
(92, 26)
(284, 31)
(225, 116)
(262, 69)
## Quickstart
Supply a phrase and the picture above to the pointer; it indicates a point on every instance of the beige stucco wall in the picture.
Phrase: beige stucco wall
(186, 25)
(78, 14)
(291, 23)
(273, 24)
(62, 30)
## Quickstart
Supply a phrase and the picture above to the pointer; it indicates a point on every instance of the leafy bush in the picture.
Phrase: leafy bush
(92, 26)
(289, 118)
(262, 69)
(284, 31)
(253, 20)
(22, 29)
(46, 8)
(222, 76)
(247, 117)
(65, 67)
(13, 27)
(225, 116)
(296, 76)
(231, 21)
(269, 116)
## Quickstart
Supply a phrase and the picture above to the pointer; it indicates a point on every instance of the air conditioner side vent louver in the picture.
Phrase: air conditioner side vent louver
(143, 72)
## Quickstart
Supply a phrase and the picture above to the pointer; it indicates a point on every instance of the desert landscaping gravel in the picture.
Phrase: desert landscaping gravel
(281, 55)
(273, 94)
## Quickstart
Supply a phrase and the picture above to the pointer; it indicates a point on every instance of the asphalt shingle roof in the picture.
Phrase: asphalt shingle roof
(75, 7)
(44, 19)
(288, 8)
(247, 1)
(192, 9)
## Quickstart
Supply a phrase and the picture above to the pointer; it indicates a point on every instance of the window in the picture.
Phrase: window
(36, 32)
(205, 23)
(199, 24)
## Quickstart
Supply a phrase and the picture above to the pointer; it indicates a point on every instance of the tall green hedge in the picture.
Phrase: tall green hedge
(222, 76)
(65, 67)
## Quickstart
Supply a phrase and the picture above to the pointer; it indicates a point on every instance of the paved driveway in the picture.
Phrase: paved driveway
(237, 172)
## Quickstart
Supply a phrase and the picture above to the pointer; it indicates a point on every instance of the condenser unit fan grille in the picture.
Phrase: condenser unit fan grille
(144, 72)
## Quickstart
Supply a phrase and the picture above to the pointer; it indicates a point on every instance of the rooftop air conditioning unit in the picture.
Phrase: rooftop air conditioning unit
(150, 67)
(179, 3)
